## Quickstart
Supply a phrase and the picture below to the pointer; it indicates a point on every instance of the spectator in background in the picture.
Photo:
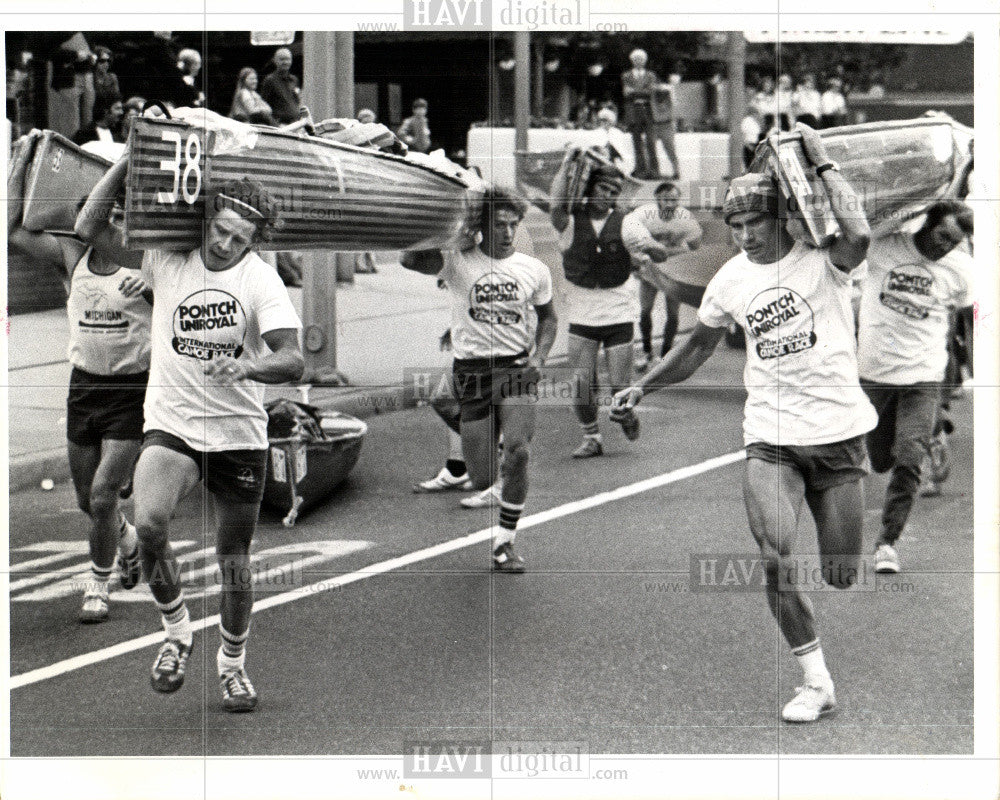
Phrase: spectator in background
(133, 108)
(752, 130)
(364, 262)
(806, 102)
(71, 99)
(189, 92)
(833, 105)
(783, 95)
(280, 89)
(105, 81)
(105, 128)
(663, 120)
(615, 142)
(414, 131)
(248, 105)
(766, 103)
(637, 90)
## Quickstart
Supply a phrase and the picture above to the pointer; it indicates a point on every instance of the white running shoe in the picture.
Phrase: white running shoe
(95, 607)
(886, 558)
(490, 496)
(444, 481)
(810, 703)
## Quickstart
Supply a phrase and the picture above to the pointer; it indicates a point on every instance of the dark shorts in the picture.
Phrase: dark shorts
(104, 407)
(482, 383)
(822, 466)
(609, 335)
(236, 475)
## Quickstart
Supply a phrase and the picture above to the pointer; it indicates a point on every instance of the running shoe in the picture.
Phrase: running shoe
(629, 421)
(886, 558)
(590, 448)
(95, 607)
(168, 669)
(506, 560)
(490, 496)
(444, 481)
(129, 566)
(238, 694)
(810, 703)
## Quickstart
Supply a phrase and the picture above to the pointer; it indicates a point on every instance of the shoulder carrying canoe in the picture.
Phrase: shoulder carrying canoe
(332, 196)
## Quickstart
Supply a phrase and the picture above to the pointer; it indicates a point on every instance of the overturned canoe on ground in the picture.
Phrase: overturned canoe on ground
(332, 196)
(896, 168)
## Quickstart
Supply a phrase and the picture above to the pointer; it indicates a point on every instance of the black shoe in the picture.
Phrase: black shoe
(506, 560)
(171, 662)
(629, 421)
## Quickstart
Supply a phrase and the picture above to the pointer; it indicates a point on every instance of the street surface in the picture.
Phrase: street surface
(611, 637)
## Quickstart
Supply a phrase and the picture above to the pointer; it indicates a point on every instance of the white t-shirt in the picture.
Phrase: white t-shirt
(801, 372)
(596, 307)
(493, 302)
(199, 315)
(905, 305)
(645, 225)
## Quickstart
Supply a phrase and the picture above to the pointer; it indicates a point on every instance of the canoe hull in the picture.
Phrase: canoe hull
(331, 196)
(59, 176)
(896, 168)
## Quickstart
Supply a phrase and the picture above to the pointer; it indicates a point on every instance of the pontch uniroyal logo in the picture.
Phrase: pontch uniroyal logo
(782, 321)
(208, 324)
(905, 292)
(488, 296)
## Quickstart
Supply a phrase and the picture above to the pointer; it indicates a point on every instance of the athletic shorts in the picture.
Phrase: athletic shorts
(236, 475)
(608, 335)
(822, 466)
(104, 407)
(482, 383)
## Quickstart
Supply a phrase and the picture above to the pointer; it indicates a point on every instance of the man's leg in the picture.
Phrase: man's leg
(647, 299)
(640, 155)
(881, 438)
(915, 412)
(620, 372)
(673, 307)
(583, 360)
(479, 447)
(454, 474)
(517, 421)
(652, 161)
(839, 514)
(773, 494)
(109, 528)
(237, 522)
(162, 478)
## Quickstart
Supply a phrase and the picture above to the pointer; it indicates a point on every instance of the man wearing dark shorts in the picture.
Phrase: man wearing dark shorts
(503, 327)
(223, 326)
(109, 349)
(806, 414)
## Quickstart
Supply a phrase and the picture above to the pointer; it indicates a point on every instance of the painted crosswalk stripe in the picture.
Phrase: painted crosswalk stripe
(533, 520)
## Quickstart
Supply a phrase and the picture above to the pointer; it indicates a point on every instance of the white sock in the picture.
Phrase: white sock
(128, 540)
(97, 581)
(810, 658)
(229, 663)
(503, 536)
(177, 621)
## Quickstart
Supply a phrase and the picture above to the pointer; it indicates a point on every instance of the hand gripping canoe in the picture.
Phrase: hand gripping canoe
(332, 196)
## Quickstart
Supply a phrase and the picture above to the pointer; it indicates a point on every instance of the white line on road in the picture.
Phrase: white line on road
(104, 654)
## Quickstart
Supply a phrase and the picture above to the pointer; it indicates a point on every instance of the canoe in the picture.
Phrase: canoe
(301, 474)
(896, 168)
(332, 195)
(536, 171)
(59, 176)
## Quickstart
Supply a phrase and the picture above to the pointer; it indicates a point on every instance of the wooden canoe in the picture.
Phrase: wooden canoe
(896, 168)
(59, 176)
(333, 196)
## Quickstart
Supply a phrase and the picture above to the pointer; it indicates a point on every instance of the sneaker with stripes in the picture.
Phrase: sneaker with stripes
(238, 693)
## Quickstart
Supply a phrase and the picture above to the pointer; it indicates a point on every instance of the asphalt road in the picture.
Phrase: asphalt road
(607, 639)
